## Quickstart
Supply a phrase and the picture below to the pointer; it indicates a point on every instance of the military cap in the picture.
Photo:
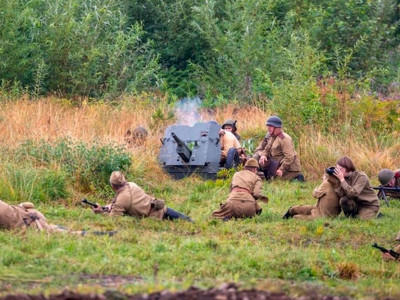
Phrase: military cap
(274, 121)
(252, 163)
(117, 178)
(385, 175)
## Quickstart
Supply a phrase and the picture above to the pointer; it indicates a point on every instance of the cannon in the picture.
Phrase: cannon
(191, 149)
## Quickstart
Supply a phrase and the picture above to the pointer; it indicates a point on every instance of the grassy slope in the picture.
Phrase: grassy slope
(265, 252)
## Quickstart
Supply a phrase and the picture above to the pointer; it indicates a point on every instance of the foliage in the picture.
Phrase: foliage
(36, 185)
(73, 47)
(89, 166)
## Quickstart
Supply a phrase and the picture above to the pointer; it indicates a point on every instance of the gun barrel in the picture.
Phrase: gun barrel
(182, 149)
(93, 204)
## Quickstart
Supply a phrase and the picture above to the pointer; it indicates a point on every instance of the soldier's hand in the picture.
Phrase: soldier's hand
(387, 256)
(263, 160)
(98, 209)
(279, 173)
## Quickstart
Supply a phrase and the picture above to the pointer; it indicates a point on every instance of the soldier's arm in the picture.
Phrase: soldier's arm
(288, 153)
(353, 191)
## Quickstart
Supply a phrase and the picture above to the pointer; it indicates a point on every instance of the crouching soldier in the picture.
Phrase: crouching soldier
(328, 204)
(22, 216)
(245, 190)
(131, 200)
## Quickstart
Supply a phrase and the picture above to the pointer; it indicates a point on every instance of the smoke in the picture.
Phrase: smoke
(187, 111)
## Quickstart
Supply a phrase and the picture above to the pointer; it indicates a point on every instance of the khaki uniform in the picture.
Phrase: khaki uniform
(228, 140)
(327, 206)
(133, 201)
(357, 197)
(281, 149)
(23, 216)
(241, 204)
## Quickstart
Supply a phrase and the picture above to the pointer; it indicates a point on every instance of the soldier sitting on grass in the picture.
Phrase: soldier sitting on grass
(245, 190)
(131, 200)
(327, 206)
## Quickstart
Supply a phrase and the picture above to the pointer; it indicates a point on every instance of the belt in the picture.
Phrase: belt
(240, 189)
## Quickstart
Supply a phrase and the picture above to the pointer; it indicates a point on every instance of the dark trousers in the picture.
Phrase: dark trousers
(171, 214)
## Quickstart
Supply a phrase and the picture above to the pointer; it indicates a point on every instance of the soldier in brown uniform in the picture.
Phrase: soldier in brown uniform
(357, 197)
(131, 200)
(327, 206)
(245, 190)
(276, 153)
(389, 178)
(24, 215)
(230, 149)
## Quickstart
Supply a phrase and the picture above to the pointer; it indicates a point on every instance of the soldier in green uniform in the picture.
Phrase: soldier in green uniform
(245, 189)
(276, 154)
(131, 200)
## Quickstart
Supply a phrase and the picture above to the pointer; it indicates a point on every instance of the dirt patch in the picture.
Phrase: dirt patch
(224, 292)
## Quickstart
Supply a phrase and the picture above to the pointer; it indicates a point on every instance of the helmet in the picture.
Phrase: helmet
(274, 121)
(231, 123)
(252, 163)
(385, 175)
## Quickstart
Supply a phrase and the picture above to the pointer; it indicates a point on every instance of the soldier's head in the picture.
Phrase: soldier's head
(252, 165)
(230, 125)
(347, 163)
(117, 180)
(136, 136)
(274, 125)
(386, 177)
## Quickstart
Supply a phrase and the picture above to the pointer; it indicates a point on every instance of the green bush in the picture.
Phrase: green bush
(18, 184)
(89, 166)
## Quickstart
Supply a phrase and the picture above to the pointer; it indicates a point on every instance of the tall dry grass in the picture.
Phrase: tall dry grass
(51, 118)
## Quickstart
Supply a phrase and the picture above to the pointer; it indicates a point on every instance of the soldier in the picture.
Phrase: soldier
(327, 206)
(131, 200)
(245, 190)
(230, 125)
(357, 197)
(24, 215)
(230, 148)
(387, 255)
(136, 136)
(276, 153)
(389, 178)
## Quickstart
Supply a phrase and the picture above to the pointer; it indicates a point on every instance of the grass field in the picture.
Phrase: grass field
(329, 256)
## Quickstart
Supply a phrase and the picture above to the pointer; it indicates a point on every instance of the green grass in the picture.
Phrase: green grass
(264, 252)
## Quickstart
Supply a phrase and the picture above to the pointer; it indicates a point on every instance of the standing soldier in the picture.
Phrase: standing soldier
(245, 190)
(131, 200)
(276, 153)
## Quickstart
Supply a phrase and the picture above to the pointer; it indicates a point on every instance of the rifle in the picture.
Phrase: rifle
(383, 189)
(384, 250)
(93, 204)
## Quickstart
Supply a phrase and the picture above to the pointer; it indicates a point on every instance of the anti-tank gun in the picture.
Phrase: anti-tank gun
(191, 149)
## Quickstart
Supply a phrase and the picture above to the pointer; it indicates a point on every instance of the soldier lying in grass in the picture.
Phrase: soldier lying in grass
(24, 215)
(131, 200)
(387, 255)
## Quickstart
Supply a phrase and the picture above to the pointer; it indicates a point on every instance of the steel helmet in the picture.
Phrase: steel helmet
(274, 121)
